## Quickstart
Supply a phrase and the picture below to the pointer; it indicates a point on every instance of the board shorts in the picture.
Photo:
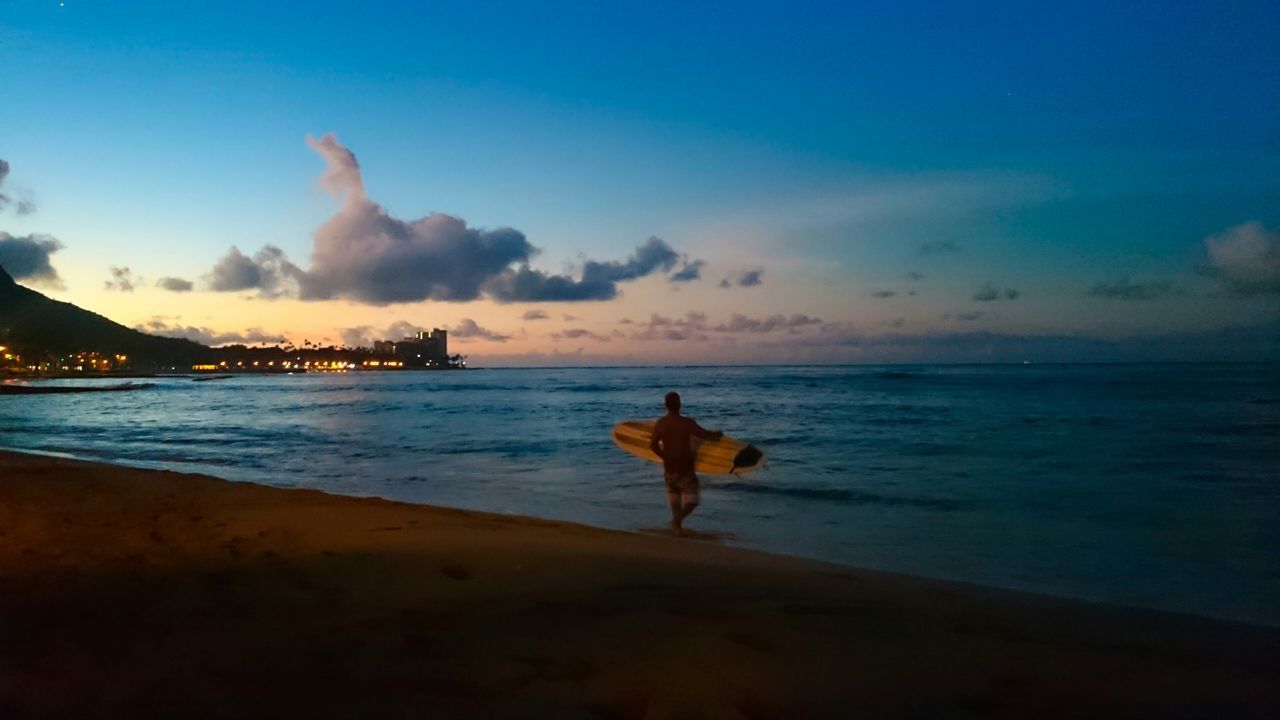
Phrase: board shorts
(682, 483)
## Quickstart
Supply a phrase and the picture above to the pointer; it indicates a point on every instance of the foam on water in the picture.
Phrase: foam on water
(1151, 485)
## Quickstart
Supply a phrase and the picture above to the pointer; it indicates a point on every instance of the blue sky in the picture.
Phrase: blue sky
(1052, 151)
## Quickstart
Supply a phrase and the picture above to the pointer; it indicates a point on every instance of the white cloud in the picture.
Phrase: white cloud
(207, 336)
(1246, 258)
(468, 329)
(364, 254)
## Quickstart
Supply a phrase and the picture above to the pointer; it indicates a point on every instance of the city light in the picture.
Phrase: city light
(425, 350)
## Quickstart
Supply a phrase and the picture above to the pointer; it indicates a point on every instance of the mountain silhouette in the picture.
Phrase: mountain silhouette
(32, 324)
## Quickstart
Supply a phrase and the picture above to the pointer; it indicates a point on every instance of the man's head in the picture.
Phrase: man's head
(672, 402)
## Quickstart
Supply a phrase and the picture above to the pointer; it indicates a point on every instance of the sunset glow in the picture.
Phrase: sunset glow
(823, 196)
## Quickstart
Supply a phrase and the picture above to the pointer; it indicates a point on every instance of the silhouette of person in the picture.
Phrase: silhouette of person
(673, 442)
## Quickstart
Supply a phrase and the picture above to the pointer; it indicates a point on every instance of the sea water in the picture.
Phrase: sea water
(1147, 485)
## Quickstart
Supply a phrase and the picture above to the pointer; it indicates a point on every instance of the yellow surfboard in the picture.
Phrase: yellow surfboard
(725, 456)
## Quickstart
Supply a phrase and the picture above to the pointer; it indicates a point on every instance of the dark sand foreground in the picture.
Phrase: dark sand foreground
(136, 593)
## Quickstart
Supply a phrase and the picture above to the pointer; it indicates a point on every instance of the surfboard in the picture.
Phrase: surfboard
(725, 456)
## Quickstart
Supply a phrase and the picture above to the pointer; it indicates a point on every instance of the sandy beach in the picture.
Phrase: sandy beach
(141, 593)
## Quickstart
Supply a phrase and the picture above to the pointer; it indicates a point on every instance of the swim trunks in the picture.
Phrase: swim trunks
(683, 483)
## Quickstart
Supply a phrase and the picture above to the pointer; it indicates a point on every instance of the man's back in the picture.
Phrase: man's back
(675, 433)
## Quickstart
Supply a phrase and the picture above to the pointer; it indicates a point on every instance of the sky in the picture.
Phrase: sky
(637, 183)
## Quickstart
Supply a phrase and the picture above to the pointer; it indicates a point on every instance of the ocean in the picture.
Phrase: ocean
(1146, 485)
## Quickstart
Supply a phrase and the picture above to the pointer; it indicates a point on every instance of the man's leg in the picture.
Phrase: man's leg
(677, 509)
(688, 498)
(686, 508)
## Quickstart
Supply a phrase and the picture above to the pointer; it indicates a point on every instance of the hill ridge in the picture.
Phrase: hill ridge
(33, 324)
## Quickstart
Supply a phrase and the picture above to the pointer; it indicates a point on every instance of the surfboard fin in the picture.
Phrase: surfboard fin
(746, 457)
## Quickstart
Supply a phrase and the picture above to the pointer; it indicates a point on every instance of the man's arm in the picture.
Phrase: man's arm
(704, 433)
(653, 439)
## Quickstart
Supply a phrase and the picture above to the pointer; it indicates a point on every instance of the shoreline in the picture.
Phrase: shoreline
(694, 535)
(132, 590)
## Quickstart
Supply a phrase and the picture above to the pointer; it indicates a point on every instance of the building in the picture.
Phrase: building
(424, 350)
(384, 347)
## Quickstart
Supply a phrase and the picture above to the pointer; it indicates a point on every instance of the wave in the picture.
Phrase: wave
(1263, 429)
(932, 449)
(842, 496)
(591, 388)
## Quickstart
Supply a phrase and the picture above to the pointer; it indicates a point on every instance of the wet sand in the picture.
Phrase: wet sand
(140, 593)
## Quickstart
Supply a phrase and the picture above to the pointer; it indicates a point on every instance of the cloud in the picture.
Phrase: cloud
(599, 280)
(991, 293)
(358, 336)
(743, 324)
(206, 336)
(364, 335)
(577, 334)
(938, 248)
(4, 175)
(467, 329)
(174, 284)
(268, 271)
(27, 258)
(883, 294)
(341, 178)
(1246, 258)
(692, 270)
(534, 315)
(363, 253)
(555, 358)
(1126, 289)
(915, 276)
(21, 207)
(748, 278)
(695, 326)
(845, 344)
(964, 316)
(987, 293)
(122, 279)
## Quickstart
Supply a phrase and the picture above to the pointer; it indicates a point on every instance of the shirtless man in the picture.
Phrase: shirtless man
(672, 436)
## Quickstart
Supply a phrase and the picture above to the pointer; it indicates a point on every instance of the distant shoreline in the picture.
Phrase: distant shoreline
(896, 365)
(232, 372)
(25, 389)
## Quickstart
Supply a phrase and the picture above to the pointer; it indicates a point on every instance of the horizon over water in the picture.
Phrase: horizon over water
(1151, 485)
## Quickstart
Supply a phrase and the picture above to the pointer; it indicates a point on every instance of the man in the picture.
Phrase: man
(672, 441)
